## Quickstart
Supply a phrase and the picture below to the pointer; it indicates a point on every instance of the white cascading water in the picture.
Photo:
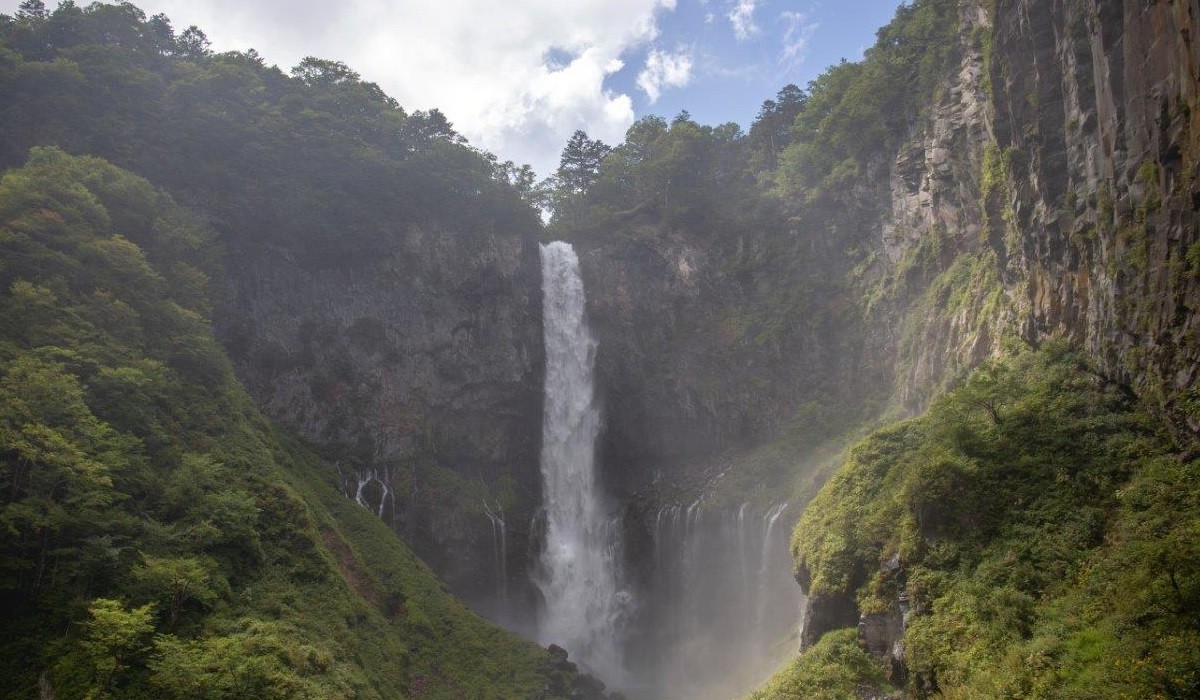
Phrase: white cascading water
(720, 611)
(580, 566)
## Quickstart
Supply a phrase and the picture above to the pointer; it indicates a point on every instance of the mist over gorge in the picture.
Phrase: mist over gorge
(922, 339)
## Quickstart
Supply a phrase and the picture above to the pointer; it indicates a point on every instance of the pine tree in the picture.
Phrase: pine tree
(580, 163)
(32, 9)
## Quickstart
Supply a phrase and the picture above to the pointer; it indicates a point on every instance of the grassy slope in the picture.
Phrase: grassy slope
(161, 538)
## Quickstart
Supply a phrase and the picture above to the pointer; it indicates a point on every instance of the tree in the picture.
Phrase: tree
(521, 178)
(115, 639)
(32, 9)
(318, 71)
(771, 131)
(179, 580)
(580, 163)
(427, 126)
(193, 43)
(162, 32)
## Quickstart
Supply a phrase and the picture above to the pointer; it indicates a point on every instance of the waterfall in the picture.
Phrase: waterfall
(579, 568)
(721, 609)
(764, 574)
(500, 557)
(717, 607)
(386, 497)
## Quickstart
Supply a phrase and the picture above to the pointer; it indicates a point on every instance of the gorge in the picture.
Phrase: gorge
(301, 397)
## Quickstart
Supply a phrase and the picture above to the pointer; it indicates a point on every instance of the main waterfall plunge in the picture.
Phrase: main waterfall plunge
(664, 597)
(579, 572)
(705, 607)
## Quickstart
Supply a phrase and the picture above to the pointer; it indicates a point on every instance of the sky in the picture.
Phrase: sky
(518, 77)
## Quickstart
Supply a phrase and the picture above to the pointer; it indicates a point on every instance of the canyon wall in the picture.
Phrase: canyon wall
(418, 373)
(1052, 190)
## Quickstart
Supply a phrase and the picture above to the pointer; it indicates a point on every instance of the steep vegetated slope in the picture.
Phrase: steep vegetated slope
(161, 539)
(1033, 534)
(381, 295)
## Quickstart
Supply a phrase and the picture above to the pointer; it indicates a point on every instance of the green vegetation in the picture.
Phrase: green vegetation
(805, 145)
(1047, 531)
(161, 539)
(836, 668)
(318, 162)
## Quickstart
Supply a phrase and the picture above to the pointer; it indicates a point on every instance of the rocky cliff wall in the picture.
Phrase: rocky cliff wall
(1097, 115)
(1052, 190)
(710, 348)
(417, 372)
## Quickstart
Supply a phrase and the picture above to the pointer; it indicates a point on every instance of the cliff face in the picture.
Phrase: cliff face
(417, 372)
(644, 304)
(712, 347)
(1096, 103)
(1060, 170)
(1052, 190)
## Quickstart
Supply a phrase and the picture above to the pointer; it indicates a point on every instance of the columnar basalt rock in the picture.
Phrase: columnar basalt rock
(1064, 151)
(1058, 177)
(1104, 130)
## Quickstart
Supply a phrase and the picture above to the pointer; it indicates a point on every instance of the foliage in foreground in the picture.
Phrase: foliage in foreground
(836, 668)
(1048, 531)
(160, 539)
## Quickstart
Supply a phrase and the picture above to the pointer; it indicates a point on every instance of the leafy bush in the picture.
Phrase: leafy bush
(836, 668)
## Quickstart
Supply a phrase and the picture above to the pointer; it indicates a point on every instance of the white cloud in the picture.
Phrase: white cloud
(664, 70)
(515, 77)
(796, 37)
(742, 19)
